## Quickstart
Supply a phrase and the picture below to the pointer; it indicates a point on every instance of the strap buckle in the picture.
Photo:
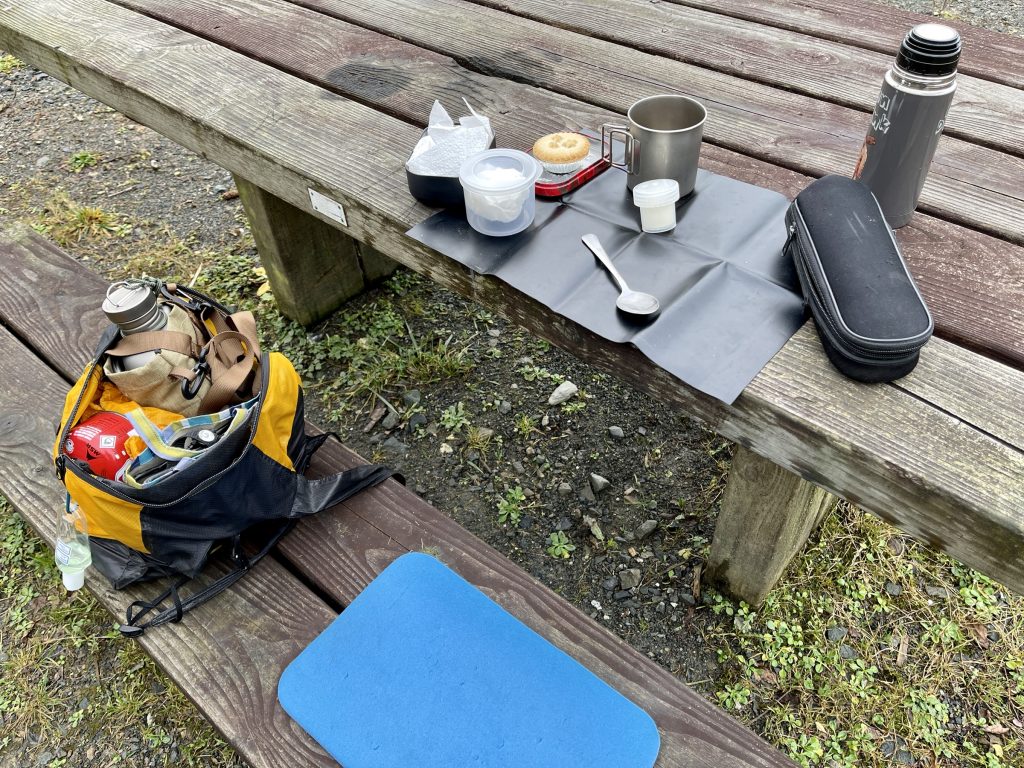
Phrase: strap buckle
(190, 387)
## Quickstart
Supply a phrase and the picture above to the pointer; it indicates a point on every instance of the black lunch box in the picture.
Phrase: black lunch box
(870, 315)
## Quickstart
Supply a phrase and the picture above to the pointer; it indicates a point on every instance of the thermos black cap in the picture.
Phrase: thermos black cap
(930, 49)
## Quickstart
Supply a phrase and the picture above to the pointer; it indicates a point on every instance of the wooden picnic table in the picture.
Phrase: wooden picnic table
(314, 105)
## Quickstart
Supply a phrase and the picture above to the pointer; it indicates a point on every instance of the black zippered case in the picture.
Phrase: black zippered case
(870, 315)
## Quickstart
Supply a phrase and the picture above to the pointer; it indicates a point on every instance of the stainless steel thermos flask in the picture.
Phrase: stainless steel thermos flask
(908, 119)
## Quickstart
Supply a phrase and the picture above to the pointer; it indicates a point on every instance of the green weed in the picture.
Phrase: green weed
(559, 545)
(9, 63)
(510, 507)
(82, 160)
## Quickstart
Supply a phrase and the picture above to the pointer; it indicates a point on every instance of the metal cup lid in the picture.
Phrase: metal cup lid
(130, 304)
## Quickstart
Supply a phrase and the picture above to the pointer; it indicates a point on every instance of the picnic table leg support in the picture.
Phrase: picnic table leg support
(766, 515)
(312, 266)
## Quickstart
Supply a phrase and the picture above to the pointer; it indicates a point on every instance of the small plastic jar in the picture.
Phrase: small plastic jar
(498, 185)
(656, 200)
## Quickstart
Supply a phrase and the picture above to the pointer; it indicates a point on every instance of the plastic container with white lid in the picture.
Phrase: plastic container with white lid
(498, 184)
(656, 200)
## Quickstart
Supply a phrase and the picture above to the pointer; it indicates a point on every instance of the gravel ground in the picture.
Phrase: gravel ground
(664, 471)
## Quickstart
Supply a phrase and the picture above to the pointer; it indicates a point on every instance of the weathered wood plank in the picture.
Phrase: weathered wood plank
(981, 308)
(987, 54)
(766, 516)
(784, 127)
(949, 485)
(312, 267)
(211, 656)
(982, 112)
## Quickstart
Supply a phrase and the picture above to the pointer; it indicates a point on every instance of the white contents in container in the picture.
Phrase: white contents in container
(656, 200)
(498, 186)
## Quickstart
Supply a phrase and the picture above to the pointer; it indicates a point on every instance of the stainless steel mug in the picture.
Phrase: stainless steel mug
(662, 140)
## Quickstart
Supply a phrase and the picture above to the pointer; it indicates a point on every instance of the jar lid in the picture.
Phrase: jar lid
(930, 49)
(650, 194)
(499, 170)
(130, 304)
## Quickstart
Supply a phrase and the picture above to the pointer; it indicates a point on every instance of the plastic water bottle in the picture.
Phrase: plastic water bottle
(908, 120)
(72, 552)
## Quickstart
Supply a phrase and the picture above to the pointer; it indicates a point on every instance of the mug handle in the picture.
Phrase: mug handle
(608, 132)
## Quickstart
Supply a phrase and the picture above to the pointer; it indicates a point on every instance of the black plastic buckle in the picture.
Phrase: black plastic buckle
(189, 389)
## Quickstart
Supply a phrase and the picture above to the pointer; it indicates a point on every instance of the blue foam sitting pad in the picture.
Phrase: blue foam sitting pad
(423, 669)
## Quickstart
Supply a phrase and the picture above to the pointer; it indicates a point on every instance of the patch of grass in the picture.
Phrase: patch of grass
(82, 160)
(68, 222)
(53, 644)
(9, 63)
(876, 649)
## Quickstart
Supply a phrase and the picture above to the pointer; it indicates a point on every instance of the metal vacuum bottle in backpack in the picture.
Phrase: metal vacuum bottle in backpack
(908, 120)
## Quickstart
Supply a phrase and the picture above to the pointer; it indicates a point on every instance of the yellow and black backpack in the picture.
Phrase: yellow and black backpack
(249, 482)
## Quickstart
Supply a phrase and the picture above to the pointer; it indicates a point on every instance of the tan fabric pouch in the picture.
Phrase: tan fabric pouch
(153, 383)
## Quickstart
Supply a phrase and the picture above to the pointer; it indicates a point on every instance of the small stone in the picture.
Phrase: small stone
(526, 522)
(610, 583)
(518, 467)
(494, 332)
(641, 431)
(446, 450)
(504, 407)
(43, 161)
(660, 607)
(835, 634)
(220, 189)
(598, 483)
(411, 398)
(587, 494)
(394, 445)
(623, 594)
(391, 420)
(847, 652)
(629, 578)
(888, 748)
(687, 598)
(616, 432)
(563, 392)
(596, 604)
(645, 529)
(903, 757)
(484, 434)
(939, 592)
(416, 421)
(564, 524)
(564, 489)
(893, 589)
(545, 420)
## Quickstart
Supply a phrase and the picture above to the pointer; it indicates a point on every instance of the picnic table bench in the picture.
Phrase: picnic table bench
(314, 106)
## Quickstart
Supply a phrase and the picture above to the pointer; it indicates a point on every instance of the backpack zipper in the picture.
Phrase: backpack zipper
(107, 487)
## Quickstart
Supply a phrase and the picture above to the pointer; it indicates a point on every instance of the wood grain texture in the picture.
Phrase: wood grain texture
(931, 473)
(988, 55)
(783, 127)
(228, 655)
(982, 112)
(312, 266)
(765, 518)
(982, 308)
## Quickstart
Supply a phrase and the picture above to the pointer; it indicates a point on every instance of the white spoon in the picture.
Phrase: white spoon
(629, 301)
